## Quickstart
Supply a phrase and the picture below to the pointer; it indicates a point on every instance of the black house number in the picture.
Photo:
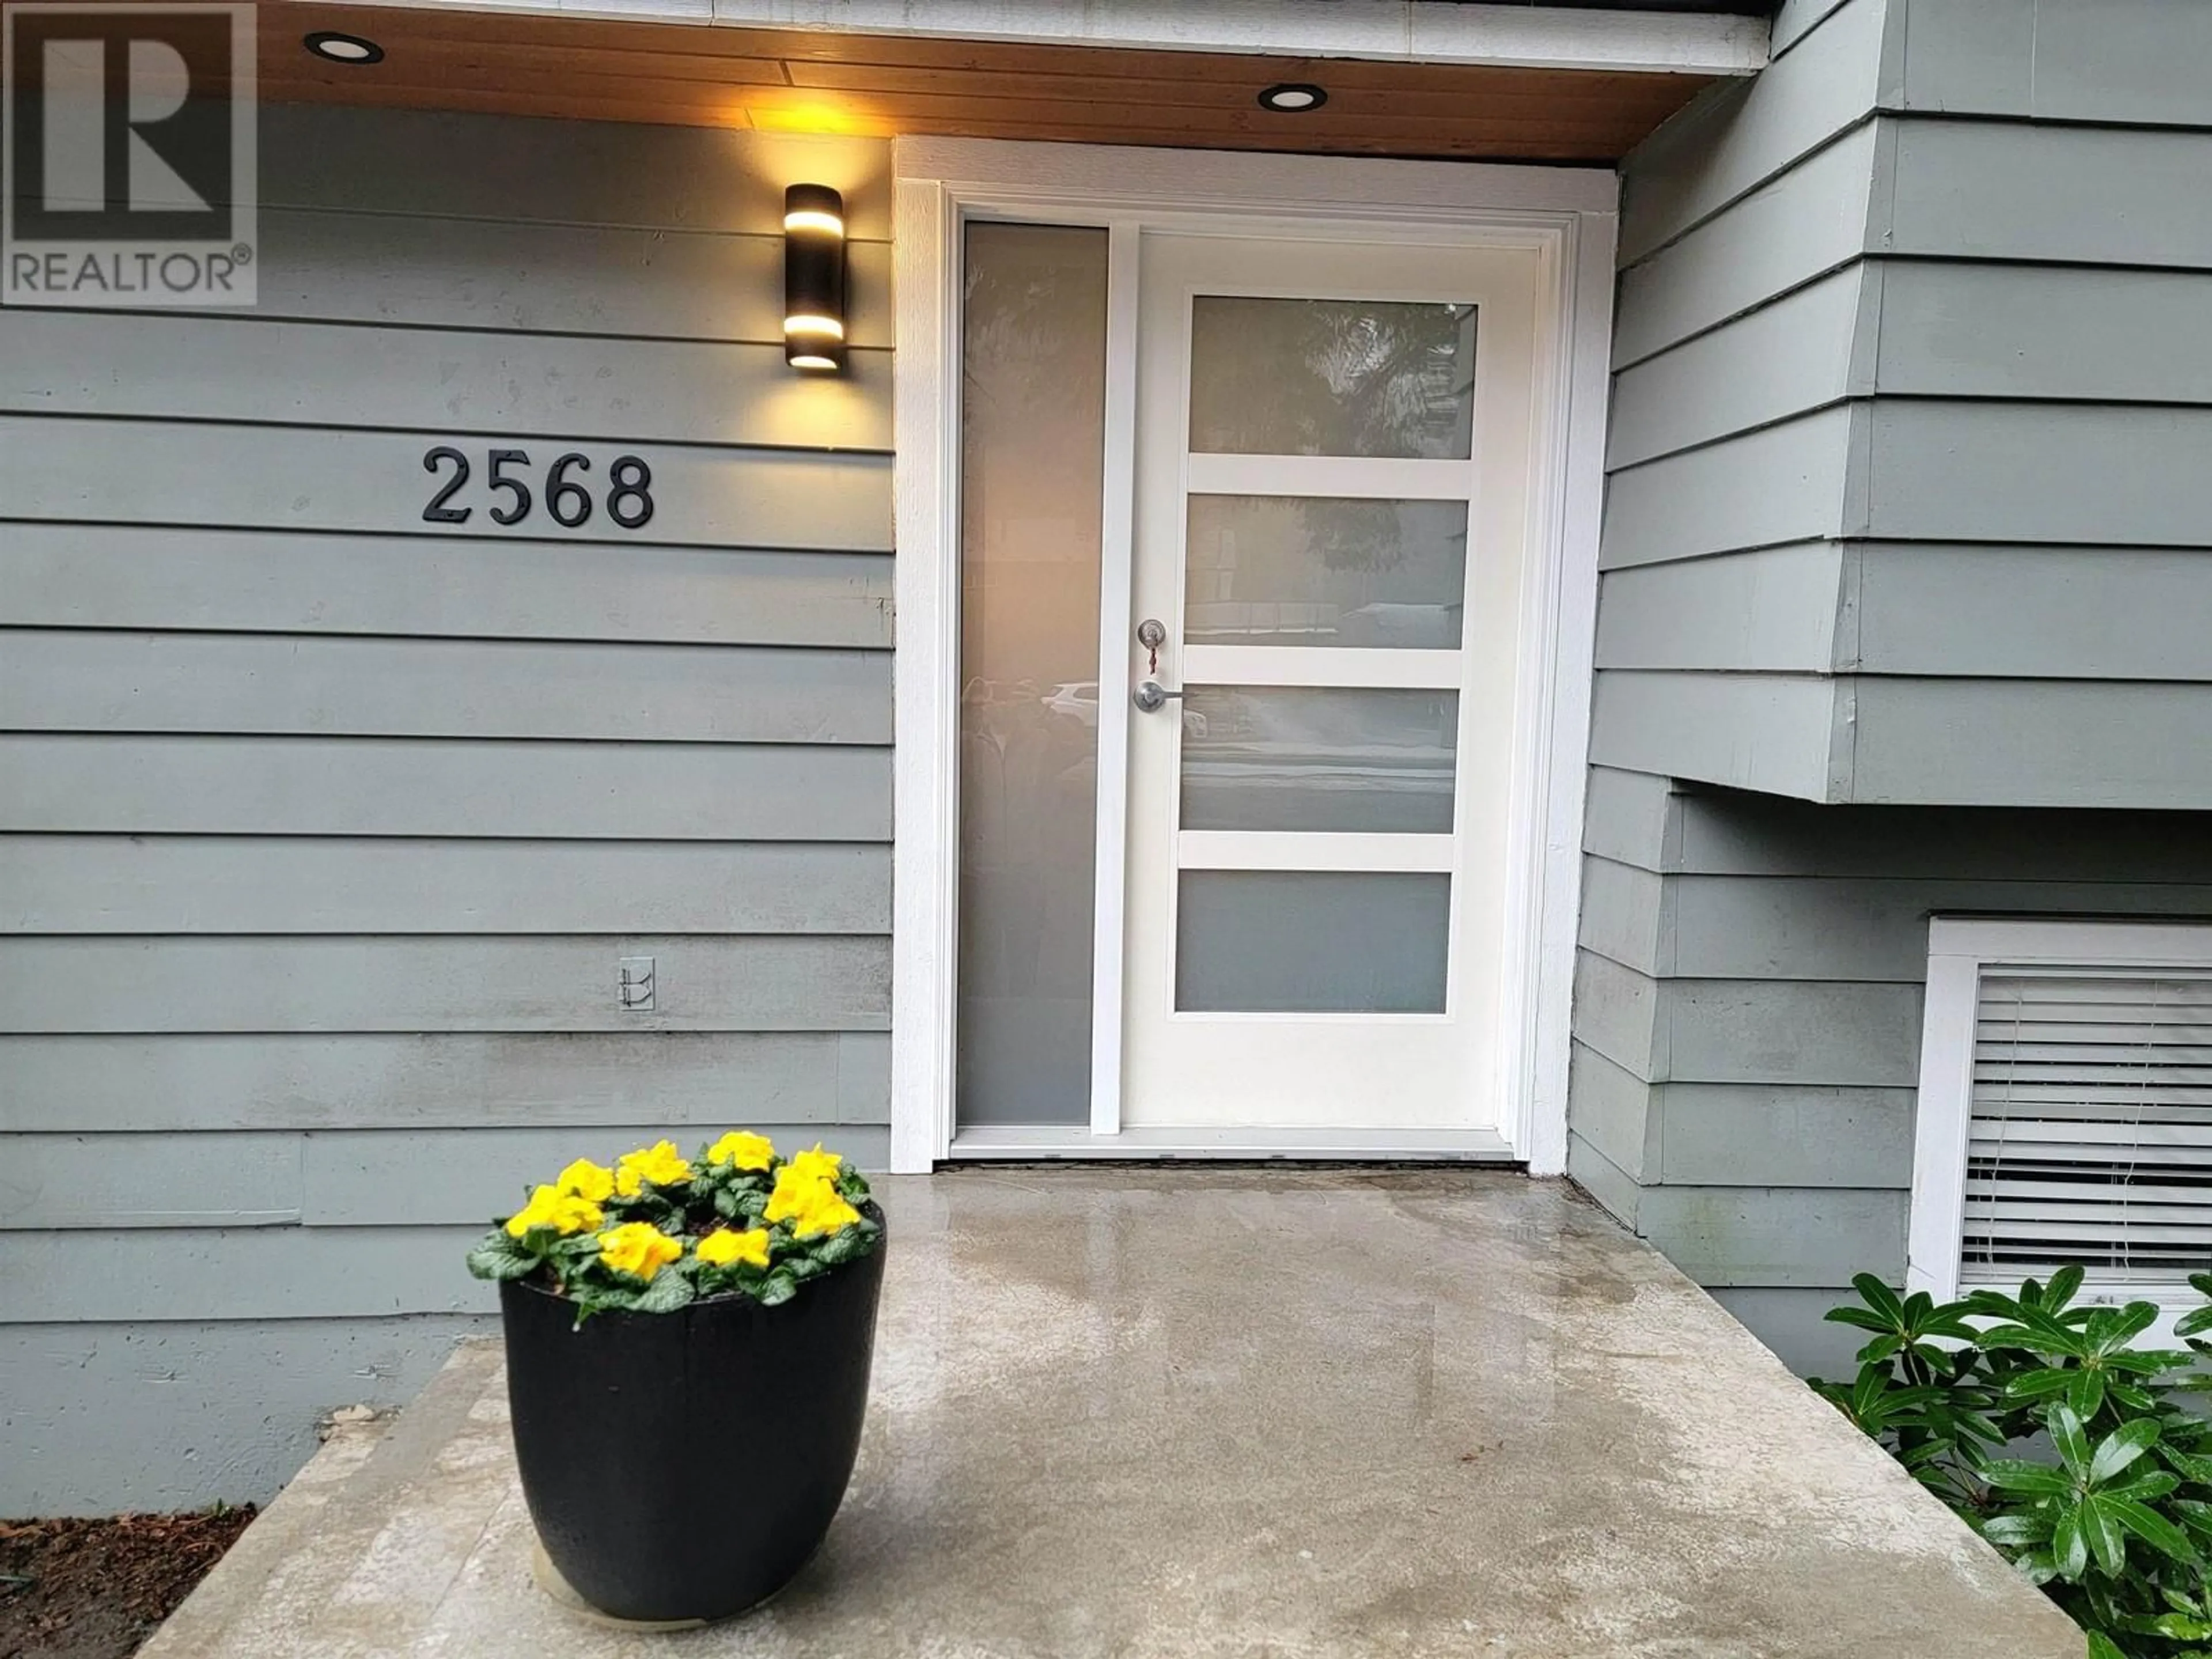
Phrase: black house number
(568, 499)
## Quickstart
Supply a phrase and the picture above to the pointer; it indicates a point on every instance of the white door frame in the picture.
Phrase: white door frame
(1570, 216)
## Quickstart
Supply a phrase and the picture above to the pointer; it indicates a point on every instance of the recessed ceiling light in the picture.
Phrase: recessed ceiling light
(343, 48)
(1293, 97)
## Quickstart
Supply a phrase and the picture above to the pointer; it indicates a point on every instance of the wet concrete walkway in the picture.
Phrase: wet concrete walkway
(1188, 1413)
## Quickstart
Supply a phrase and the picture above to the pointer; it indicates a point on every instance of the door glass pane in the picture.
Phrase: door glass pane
(1297, 757)
(1331, 377)
(1318, 570)
(1304, 941)
(1032, 485)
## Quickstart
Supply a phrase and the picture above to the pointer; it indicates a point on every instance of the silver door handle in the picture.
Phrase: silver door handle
(1152, 696)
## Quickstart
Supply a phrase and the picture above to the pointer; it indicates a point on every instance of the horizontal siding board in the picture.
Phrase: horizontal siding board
(1744, 134)
(2038, 472)
(1629, 818)
(1968, 329)
(728, 983)
(259, 884)
(1793, 1322)
(1719, 1135)
(253, 477)
(664, 178)
(1773, 732)
(2131, 61)
(1811, 219)
(1785, 359)
(1790, 1031)
(1613, 1189)
(410, 1081)
(295, 684)
(1782, 484)
(1796, 19)
(150, 1181)
(1977, 610)
(1775, 610)
(183, 1413)
(1728, 835)
(120, 576)
(544, 392)
(191, 784)
(1627, 915)
(2034, 743)
(238, 1272)
(1610, 1108)
(1999, 190)
(1616, 1011)
(430, 1177)
(420, 271)
(1776, 1236)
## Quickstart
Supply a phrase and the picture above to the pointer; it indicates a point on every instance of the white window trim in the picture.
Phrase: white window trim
(1958, 950)
(1570, 215)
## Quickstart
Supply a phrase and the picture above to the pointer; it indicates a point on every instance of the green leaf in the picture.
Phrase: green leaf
(2041, 1383)
(668, 1291)
(2087, 1393)
(2102, 1646)
(2037, 1479)
(2066, 1434)
(2017, 1528)
(2154, 1528)
(2069, 1552)
(2121, 1448)
(777, 1288)
(2101, 1528)
(1865, 1318)
(499, 1258)
(1879, 1298)
(2065, 1284)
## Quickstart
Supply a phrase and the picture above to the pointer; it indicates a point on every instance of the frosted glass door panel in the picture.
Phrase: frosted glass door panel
(1032, 486)
(1310, 758)
(1307, 942)
(1323, 571)
(1331, 377)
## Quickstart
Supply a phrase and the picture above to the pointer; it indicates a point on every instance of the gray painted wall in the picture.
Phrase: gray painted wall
(321, 831)
(1907, 506)
(1908, 500)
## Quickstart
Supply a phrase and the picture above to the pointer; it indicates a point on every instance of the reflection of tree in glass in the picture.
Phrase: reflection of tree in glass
(1334, 377)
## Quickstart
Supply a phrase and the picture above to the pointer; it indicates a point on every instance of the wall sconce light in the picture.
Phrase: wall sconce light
(813, 277)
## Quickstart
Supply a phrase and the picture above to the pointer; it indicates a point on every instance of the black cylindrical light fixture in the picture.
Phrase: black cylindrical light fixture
(813, 277)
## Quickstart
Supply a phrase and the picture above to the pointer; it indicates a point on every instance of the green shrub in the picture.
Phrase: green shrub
(2114, 1520)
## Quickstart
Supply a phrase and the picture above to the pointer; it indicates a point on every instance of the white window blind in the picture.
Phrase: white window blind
(2090, 1134)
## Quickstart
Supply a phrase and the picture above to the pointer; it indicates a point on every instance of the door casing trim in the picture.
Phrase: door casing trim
(1569, 215)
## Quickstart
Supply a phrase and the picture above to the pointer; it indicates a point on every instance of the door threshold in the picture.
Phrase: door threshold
(1347, 1145)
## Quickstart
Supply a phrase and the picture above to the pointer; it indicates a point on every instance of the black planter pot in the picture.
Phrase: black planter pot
(685, 1466)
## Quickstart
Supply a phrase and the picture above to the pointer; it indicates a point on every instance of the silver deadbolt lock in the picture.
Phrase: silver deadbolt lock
(1151, 634)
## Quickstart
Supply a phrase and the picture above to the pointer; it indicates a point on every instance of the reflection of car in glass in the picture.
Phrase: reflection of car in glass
(1077, 698)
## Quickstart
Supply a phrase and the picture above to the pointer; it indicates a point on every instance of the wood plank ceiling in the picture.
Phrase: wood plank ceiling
(803, 81)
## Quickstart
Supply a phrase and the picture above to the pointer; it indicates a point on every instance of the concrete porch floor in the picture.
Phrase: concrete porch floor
(1189, 1411)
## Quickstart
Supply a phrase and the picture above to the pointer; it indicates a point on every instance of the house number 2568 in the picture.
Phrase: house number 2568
(568, 489)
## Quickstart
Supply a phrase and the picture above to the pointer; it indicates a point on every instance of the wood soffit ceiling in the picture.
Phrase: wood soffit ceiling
(809, 82)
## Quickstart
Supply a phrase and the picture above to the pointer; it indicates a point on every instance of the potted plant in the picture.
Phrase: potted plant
(688, 1345)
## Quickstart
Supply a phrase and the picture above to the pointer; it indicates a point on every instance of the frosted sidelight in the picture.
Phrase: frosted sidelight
(1031, 484)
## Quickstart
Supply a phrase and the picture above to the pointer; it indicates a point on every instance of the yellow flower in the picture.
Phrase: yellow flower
(586, 1180)
(722, 1247)
(549, 1206)
(741, 1150)
(803, 1197)
(661, 1164)
(639, 1248)
(816, 1162)
(825, 1213)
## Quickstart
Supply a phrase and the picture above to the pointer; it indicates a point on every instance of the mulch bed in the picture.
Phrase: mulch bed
(96, 1588)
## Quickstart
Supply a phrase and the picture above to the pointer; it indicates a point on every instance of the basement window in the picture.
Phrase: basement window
(2065, 1109)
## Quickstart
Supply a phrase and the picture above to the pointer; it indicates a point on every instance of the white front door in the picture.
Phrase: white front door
(1334, 452)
